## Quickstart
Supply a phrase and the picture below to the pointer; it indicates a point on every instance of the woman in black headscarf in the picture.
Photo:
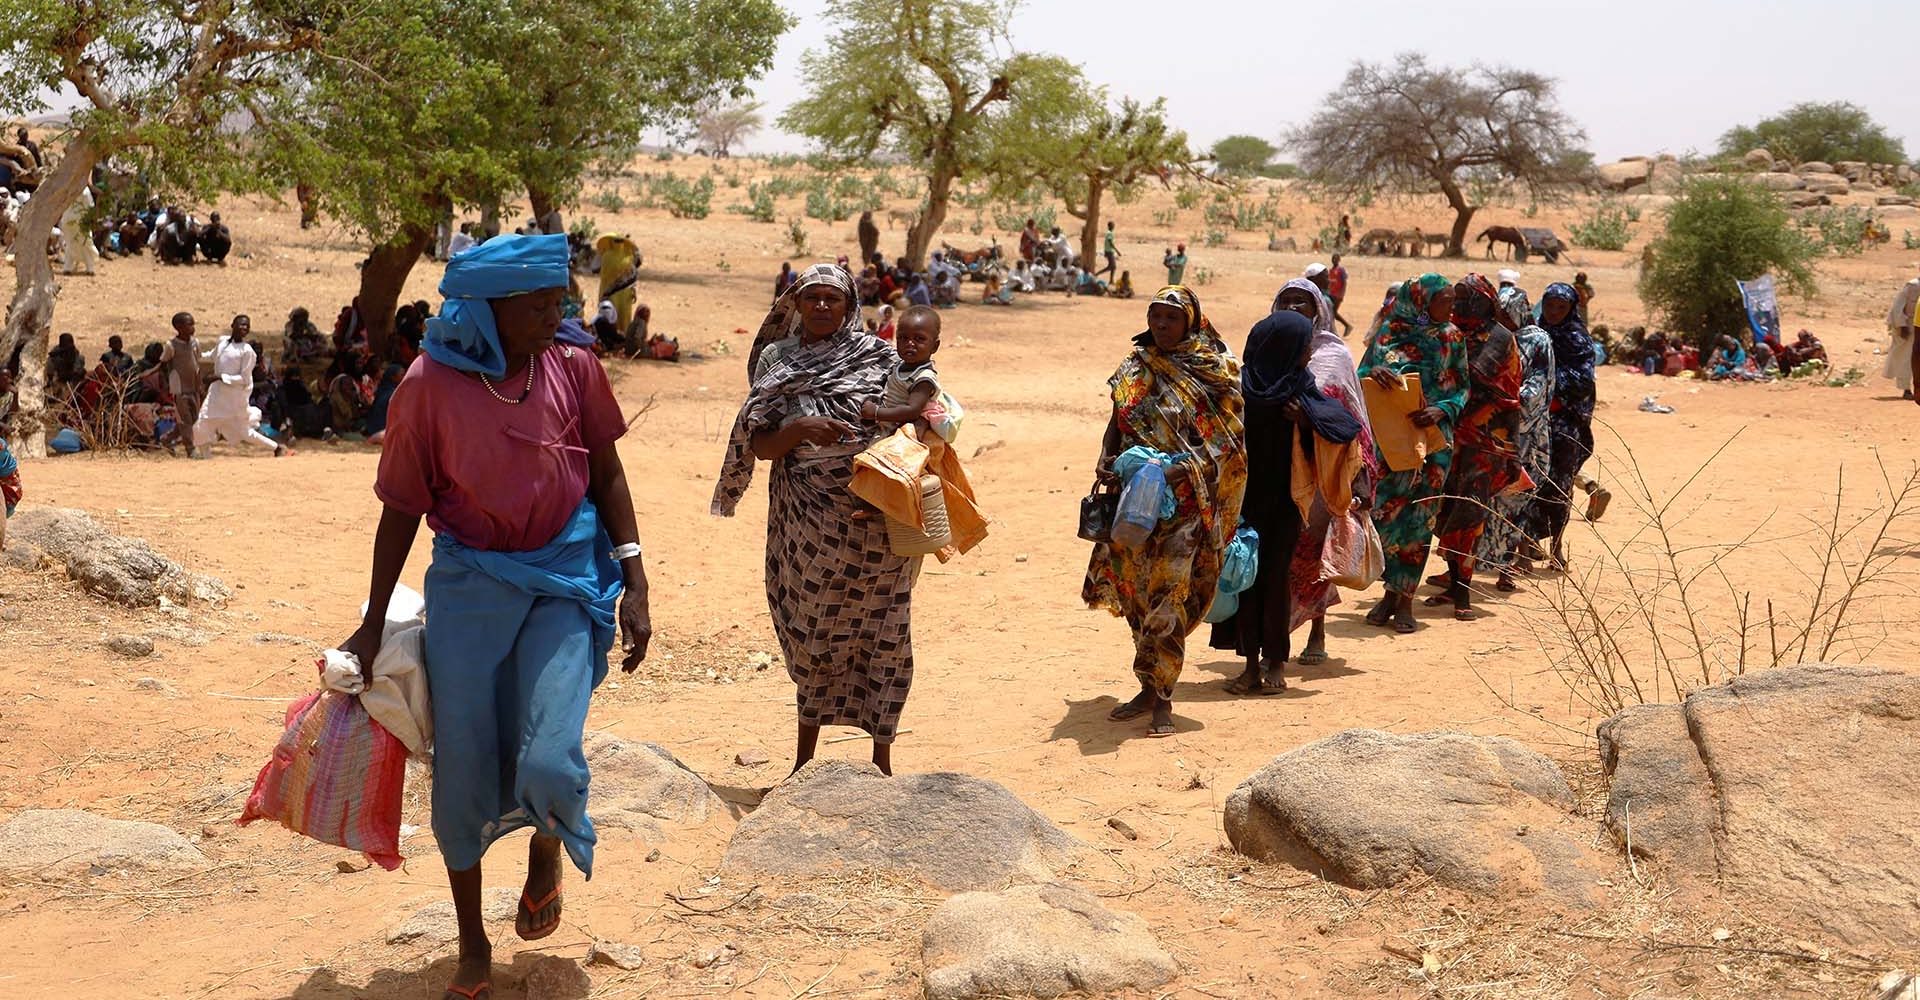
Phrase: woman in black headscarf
(1285, 412)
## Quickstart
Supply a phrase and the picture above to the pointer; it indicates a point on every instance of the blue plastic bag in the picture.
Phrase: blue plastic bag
(1239, 568)
(66, 441)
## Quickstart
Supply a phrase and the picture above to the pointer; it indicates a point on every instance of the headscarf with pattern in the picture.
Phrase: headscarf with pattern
(1573, 378)
(1475, 301)
(783, 319)
(830, 377)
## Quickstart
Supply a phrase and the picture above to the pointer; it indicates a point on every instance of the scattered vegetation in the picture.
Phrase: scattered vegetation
(1721, 230)
(797, 237)
(685, 199)
(1607, 228)
(1838, 231)
(1644, 619)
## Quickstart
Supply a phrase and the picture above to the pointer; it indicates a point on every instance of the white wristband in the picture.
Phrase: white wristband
(622, 553)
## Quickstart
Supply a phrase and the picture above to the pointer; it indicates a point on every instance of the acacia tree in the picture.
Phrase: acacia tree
(1243, 154)
(448, 103)
(1413, 128)
(157, 78)
(1065, 134)
(919, 78)
(720, 125)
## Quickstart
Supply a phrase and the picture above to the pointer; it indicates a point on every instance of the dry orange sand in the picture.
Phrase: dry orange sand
(1014, 676)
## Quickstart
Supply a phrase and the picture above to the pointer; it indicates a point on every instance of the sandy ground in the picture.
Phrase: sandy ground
(1014, 676)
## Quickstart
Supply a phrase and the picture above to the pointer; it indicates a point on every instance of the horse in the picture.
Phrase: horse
(1503, 234)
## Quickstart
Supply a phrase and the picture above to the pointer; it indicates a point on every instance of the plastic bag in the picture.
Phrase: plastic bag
(1140, 505)
(1239, 568)
(1352, 558)
(336, 777)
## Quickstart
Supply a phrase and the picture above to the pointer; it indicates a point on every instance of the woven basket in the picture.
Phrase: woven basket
(907, 540)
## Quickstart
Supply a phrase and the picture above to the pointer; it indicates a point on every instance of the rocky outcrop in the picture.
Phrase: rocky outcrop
(1369, 809)
(642, 786)
(1780, 181)
(954, 831)
(1797, 785)
(59, 839)
(1037, 941)
(1625, 174)
(126, 571)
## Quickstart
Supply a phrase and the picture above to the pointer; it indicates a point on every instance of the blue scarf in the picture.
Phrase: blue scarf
(463, 335)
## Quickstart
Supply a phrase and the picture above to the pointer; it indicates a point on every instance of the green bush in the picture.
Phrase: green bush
(761, 208)
(1606, 229)
(610, 200)
(797, 235)
(1166, 217)
(1721, 230)
(826, 207)
(783, 185)
(1186, 197)
(1215, 237)
(1812, 131)
(1010, 218)
(1909, 240)
(1839, 231)
(686, 200)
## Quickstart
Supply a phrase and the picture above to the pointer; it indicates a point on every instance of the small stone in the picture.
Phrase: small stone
(653, 855)
(556, 978)
(626, 957)
(1120, 827)
(1722, 934)
(347, 866)
(154, 684)
(133, 647)
(760, 661)
(209, 831)
(1020, 558)
(750, 758)
(85, 682)
(712, 955)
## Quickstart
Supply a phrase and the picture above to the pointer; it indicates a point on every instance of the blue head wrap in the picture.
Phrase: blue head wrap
(463, 335)
(573, 332)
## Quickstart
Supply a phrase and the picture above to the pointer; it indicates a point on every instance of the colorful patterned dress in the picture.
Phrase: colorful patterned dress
(1185, 402)
(1486, 455)
(1508, 522)
(1409, 341)
(1570, 419)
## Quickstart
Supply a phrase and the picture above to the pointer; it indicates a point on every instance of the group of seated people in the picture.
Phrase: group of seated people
(174, 236)
(898, 284)
(1731, 360)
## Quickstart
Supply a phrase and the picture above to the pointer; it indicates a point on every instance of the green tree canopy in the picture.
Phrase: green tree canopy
(446, 103)
(156, 81)
(1067, 134)
(1826, 132)
(1415, 127)
(1721, 230)
(1243, 154)
(921, 79)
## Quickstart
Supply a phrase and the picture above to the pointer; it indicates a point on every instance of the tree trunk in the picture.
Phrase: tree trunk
(383, 278)
(540, 201)
(920, 235)
(1462, 217)
(1090, 224)
(30, 317)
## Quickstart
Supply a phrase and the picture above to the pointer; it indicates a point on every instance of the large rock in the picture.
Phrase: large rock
(642, 785)
(1796, 785)
(1758, 160)
(1780, 181)
(436, 922)
(954, 831)
(1854, 170)
(1667, 176)
(1816, 167)
(1826, 183)
(71, 838)
(1806, 199)
(1369, 809)
(1037, 941)
(1624, 174)
(1892, 199)
(122, 570)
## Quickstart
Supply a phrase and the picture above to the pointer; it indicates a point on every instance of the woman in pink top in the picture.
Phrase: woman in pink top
(504, 441)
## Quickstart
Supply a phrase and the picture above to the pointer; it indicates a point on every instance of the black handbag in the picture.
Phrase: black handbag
(1097, 511)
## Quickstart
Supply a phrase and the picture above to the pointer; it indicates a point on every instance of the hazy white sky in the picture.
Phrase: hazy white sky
(1642, 76)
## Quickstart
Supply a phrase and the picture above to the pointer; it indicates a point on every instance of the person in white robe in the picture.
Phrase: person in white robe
(227, 414)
